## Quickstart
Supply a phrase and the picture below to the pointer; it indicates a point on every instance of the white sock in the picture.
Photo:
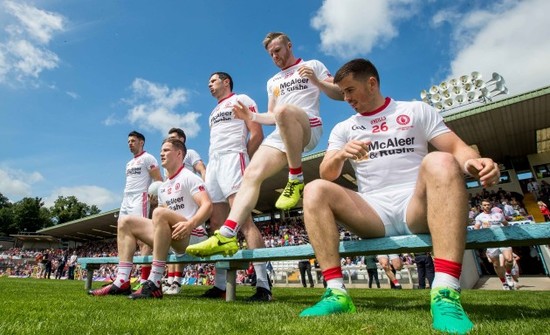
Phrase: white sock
(220, 279)
(227, 232)
(299, 177)
(337, 284)
(178, 278)
(157, 271)
(445, 280)
(261, 275)
(123, 273)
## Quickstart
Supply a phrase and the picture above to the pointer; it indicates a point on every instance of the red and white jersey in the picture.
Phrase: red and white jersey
(176, 193)
(288, 87)
(492, 219)
(138, 178)
(399, 133)
(227, 133)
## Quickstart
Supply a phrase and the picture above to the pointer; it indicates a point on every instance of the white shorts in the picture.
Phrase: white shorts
(135, 204)
(224, 175)
(274, 139)
(391, 207)
(495, 252)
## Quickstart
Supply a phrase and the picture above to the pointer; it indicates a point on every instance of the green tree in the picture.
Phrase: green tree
(29, 215)
(6, 214)
(67, 209)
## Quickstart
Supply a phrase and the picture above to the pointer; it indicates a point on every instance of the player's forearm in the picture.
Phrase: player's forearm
(262, 118)
(253, 144)
(332, 165)
(331, 90)
(202, 214)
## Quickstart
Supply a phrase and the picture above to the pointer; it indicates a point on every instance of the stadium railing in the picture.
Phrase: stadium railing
(514, 235)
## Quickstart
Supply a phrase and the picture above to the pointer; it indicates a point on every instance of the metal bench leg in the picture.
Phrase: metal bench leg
(89, 277)
(231, 284)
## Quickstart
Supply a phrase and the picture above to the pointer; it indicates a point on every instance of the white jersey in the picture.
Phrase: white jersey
(227, 133)
(191, 158)
(138, 178)
(493, 219)
(176, 193)
(399, 133)
(288, 87)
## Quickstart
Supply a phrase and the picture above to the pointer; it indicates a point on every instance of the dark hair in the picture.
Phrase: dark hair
(223, 76)
(179, 145)
(359, 68)
(136, 134)
(180, 133)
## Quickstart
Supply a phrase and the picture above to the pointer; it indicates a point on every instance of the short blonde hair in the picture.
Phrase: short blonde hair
(274, 35)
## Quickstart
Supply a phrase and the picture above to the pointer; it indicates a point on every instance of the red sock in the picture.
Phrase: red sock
(333, 273)
(145, 271)
(295, 171)
(231, 224)
(449, 267)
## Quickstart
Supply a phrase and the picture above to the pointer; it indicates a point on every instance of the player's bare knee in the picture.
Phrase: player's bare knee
(440, 165)
(157, 213)
(253, 174)
(315, 192)
(124, 223)
(281, 113)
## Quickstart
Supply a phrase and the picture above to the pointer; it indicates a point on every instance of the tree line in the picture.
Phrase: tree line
(30, 215)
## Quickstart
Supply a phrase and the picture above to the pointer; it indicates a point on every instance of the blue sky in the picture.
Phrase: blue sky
(77, 76)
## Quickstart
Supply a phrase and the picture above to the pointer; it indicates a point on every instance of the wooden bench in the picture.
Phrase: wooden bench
(515, 235)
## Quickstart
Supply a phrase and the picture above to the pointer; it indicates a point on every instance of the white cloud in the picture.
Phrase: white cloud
(506, 40)
(30, 60)
(38, 24)
(17, 184)
(72, 94)
(23, 48)
(153, 106)
(353, 27)
(89, 194)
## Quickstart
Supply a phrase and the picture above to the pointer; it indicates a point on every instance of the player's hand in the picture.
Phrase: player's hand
(181, 230)
(241, 111)
(356, 150)
(307, 72)
(153, 201)
(484, 169)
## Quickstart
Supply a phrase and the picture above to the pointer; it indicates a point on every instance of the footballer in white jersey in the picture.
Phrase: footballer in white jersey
(176, 193)
(141, 170)
(227, 133)
(399, 132)
(289, 87)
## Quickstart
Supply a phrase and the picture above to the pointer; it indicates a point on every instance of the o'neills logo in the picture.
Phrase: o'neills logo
(391, 146)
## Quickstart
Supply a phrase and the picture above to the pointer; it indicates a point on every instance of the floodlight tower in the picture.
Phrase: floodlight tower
(462, 91)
